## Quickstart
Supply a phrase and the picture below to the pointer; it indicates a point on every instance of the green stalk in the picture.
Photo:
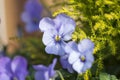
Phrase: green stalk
(60, 74)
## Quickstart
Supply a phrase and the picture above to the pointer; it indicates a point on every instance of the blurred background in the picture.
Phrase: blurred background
(11, 25)
(17, 36)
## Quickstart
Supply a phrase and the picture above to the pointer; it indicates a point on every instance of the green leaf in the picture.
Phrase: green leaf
(105, 76)
(113, 77)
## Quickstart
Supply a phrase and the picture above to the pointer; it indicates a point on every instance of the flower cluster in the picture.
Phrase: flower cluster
(57, 38)
(80, 55)
(32, 15)
(73, 56)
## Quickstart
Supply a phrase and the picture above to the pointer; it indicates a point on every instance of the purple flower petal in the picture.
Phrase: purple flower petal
(32, 15)
(55, 48)
(73, 57)
(41, 75)
(31, 27)
(33, 7)
(89, 56)
(46, 24)
(4, 76)
(64, 61)
(70, 47)
(48, 36)
(5, 65)
(51, 68)
(66, 31)
(65, 20)
(67, 36)
(19, 67)
(26, 17)
(67, 26)
(85, 45)
(45, 73)
(40, 67)
(65, 64)
(78, 65)
(86, 66)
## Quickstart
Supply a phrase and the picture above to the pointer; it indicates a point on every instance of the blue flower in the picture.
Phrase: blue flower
(80, 56)
(32, 15)
(56, 32)
(13, 70)
(45, 73)
(65, 64)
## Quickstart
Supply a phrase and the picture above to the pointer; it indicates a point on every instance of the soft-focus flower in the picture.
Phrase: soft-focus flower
(32, 15)
(45, 73)
(13, 70)
(56, 32)
(65, 64)
(80, 56)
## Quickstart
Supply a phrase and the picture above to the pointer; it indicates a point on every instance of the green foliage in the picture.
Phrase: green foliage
(105, 76)
(98, 20)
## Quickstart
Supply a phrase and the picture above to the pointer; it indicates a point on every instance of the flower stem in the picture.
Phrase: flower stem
(60, 74)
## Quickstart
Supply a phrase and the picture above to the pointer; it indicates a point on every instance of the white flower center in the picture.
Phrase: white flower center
(57, 38)
(82, 58)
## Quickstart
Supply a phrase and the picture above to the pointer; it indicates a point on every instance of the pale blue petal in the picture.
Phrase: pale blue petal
(85, 44)
(66, 31)
(48, 36)
(65, 25)
(55, 48)
(89, 56)
(46, 24)
(67, 37)
(64, 19)
(87, 65)
(78, 65)
(73, 57)
(51, 48)
(71, 46)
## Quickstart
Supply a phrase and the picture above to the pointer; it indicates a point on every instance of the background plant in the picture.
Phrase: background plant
(100, 21)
